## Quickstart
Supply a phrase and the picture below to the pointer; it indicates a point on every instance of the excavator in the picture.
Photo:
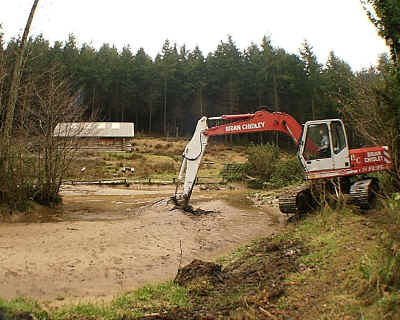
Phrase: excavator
(323, 151)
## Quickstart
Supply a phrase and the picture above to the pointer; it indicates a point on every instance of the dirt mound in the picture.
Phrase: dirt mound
(199, 270)
(258, 274)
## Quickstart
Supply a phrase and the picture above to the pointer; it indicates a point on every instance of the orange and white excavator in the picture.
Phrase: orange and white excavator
(323, 152)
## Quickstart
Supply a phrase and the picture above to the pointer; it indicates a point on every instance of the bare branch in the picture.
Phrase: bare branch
(16, 78)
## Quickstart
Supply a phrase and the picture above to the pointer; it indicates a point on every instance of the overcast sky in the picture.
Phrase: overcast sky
(339, 25)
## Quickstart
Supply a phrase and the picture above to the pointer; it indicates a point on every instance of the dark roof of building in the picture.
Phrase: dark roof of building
(95, 129)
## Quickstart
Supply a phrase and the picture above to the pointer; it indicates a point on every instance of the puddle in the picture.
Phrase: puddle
(101, 203)
(236, 200)
(239, 201)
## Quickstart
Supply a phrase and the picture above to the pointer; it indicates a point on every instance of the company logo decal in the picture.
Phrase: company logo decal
(244, 127)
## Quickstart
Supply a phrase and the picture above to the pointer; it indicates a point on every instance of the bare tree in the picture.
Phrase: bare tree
(33, 160)
(3, 72)
(16, 78)
(54, 102)
(37, 159)
(12, 184)
(367, 108)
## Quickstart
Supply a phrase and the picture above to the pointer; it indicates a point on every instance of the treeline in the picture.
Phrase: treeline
(168, 94)
(42, 85)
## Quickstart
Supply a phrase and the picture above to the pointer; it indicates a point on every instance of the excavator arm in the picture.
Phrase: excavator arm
(259, 121)
(191, 158)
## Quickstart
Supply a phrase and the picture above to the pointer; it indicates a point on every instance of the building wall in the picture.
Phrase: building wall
(105, 144)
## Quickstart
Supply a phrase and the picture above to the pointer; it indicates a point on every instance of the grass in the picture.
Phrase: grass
(154, 158)
(162, 296)
(339, 264)
(233, 256)
(347, 261)
(149, 299)
(21, 307)
(138, 303)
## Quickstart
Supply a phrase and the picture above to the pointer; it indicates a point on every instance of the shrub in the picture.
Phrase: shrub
(265, 167)
(286, 172)
(262, 160)
(235, 172)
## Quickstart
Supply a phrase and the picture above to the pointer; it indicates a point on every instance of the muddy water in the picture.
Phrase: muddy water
(103, 240)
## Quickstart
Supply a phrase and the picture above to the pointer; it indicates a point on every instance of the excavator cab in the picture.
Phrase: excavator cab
(323, 148)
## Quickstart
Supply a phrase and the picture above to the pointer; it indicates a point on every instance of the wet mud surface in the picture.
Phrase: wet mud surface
(103, 241)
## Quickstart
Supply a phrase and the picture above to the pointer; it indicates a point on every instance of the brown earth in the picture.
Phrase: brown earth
(106, 240)
(249, 286)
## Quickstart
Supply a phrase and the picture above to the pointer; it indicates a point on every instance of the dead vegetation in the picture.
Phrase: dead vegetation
(248, 286)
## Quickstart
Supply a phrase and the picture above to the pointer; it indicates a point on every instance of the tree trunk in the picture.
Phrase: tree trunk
(201, 101)
(150, 116)
(93, 100)
(231, 104)
(16, 78)
(150, 108)
(276, 98)
(276, 103)
(137, 118)
(3, 75)
(313, 105)
(165, 107)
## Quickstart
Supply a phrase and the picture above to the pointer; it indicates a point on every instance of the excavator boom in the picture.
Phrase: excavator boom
(259, 121)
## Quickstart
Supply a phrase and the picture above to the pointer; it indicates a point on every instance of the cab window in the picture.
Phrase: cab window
(317, 142)
(338, 137)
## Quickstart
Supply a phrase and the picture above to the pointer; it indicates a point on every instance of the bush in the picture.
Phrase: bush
(18, 184)
(235, 172)
(262, 160)
(286, 172)
(265, 167)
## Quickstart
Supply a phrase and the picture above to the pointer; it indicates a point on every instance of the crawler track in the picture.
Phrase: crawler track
(363, 193)
(300, 200)
(297, 200)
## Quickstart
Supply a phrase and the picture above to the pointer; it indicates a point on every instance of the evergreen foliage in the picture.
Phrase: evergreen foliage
(168, 94)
